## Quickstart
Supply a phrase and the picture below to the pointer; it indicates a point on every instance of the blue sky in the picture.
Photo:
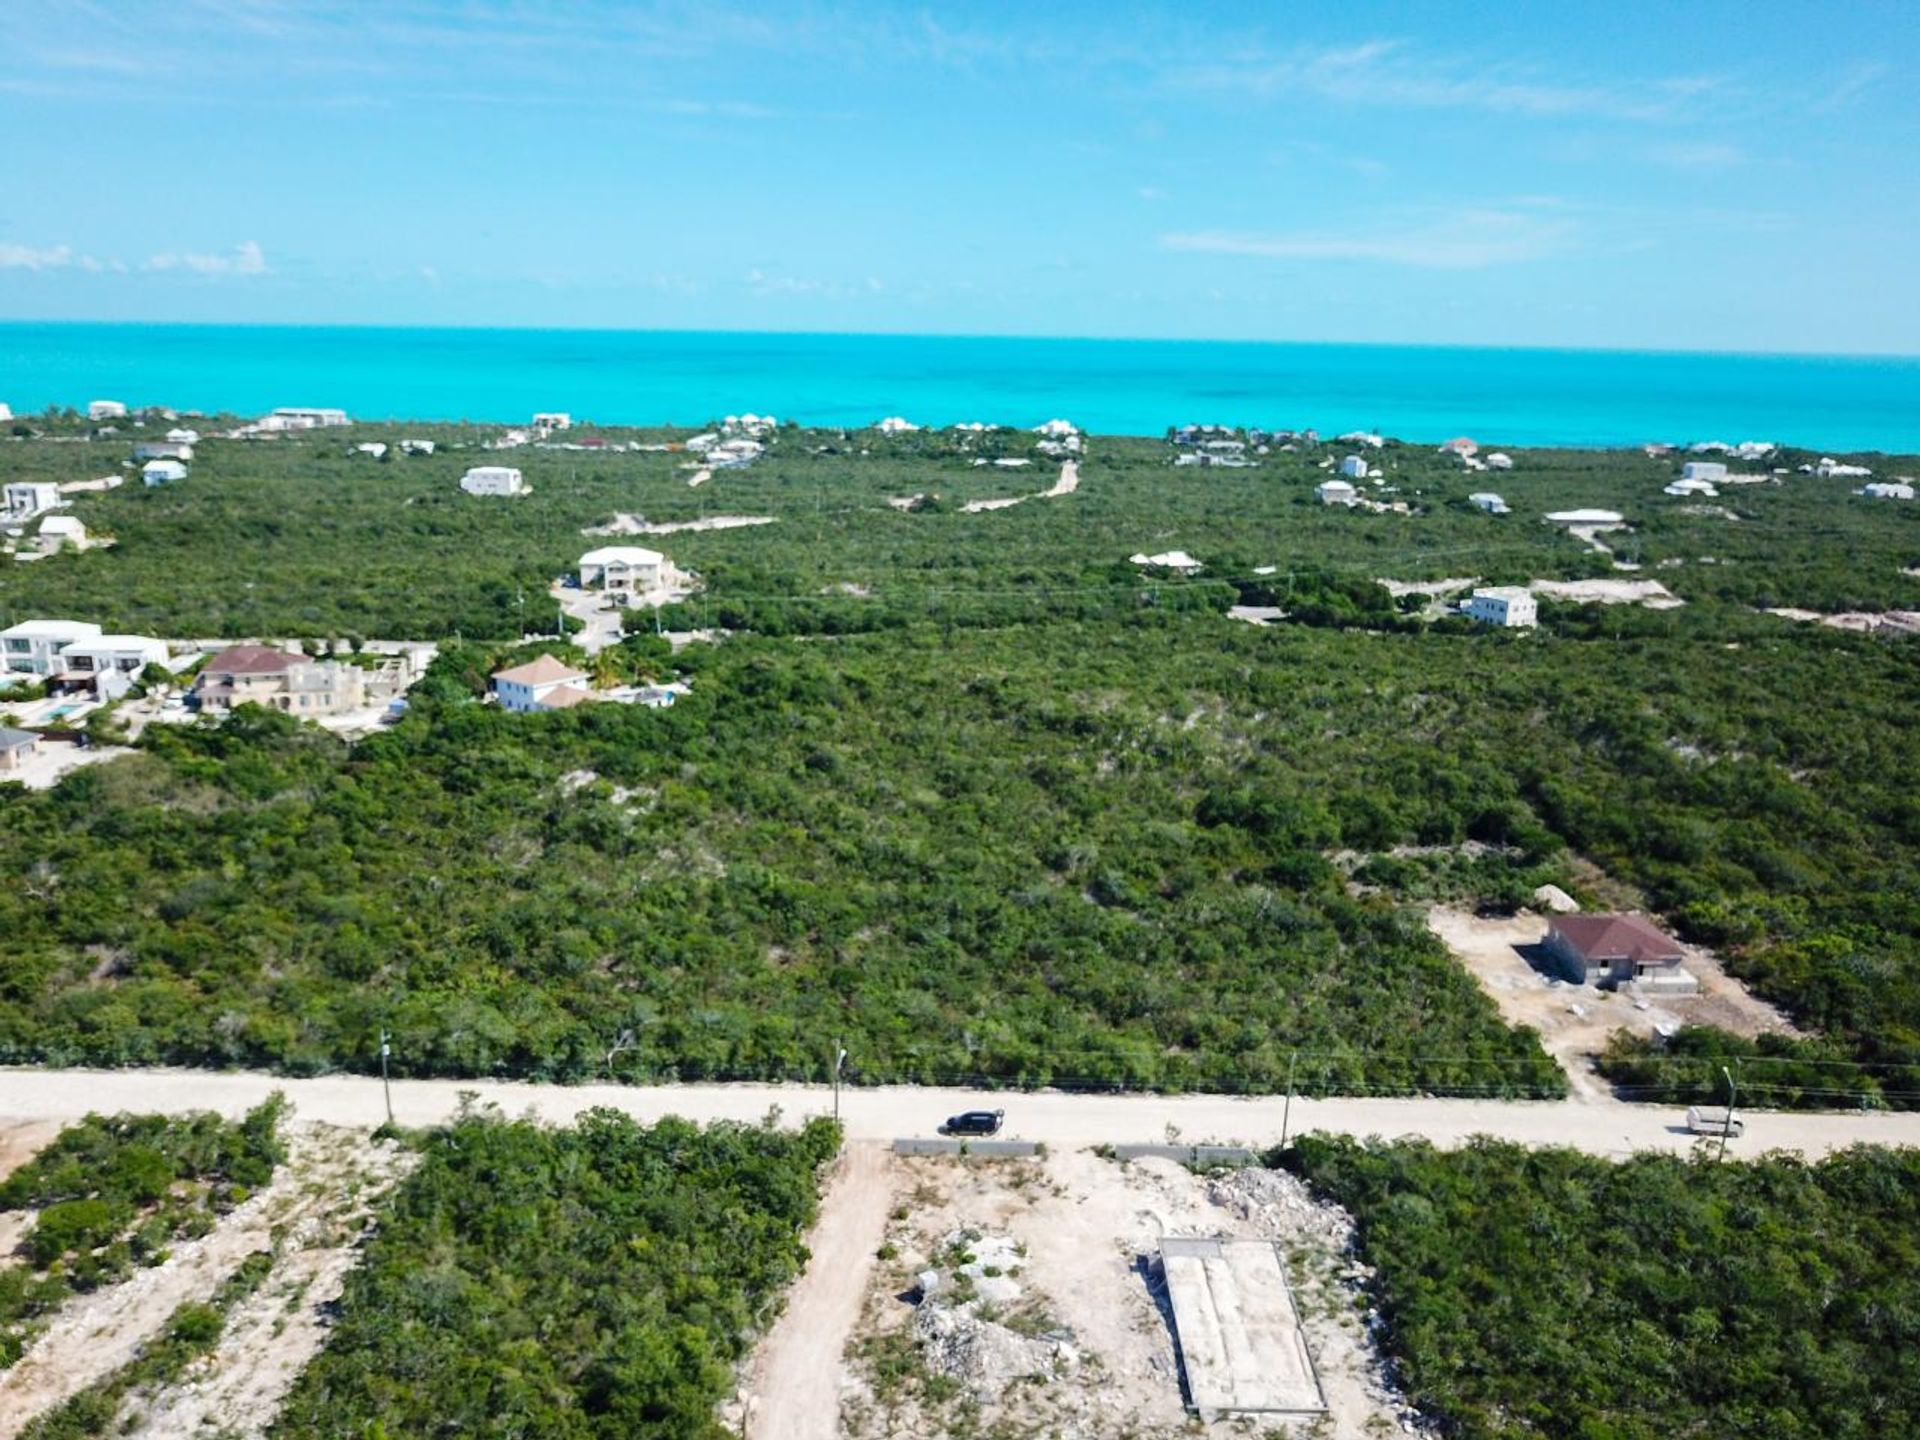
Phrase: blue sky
(1701, 175)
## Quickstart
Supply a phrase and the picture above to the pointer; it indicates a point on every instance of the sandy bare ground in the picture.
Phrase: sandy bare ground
(699, 478)
(624, 524)
(1575, 1022)
(1891, 622)
(1650, 593)
(1432, 589)
(19, 1143)
(237, 1390)
(95, 1334)
(1068, 482)
(1599, 1127)
(797, 1374)
(1077, 1341)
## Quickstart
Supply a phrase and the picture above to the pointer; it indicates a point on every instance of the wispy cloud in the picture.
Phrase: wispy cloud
(1472, 239)
(245, 258)
(1698, 155)
(1857, 79)
(28, 257)
(1392, 72)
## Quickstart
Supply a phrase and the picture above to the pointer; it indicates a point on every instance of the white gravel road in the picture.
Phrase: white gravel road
(1600, 1126)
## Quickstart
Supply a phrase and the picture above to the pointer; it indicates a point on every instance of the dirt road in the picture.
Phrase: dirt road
(797, 1371)
(1598, 1125)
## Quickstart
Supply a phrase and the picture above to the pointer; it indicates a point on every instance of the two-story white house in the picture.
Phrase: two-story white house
(1337, 492)
(33, 646)
(162, 472)
(28, 498)
(631, 568)
(1505, 605)
(542, 684)
(493, 480)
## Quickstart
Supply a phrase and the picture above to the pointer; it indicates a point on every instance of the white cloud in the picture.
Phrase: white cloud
(26, 257)
(1698, 155)
(246, 259)
(1389, 72)
(1471, 239)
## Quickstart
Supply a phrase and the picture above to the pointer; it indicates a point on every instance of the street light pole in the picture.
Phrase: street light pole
(386, 1084)
(1726, 1129)
(839, 1059)
(1286, 1115)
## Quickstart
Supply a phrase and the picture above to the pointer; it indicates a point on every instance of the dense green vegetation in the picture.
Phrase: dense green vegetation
(114, 1192)
(302, 536)
(969, 791)
(1557, 1295)
(564, 1284)
(190, 1333)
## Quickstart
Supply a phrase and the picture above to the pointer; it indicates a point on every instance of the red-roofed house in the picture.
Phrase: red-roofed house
(538, 684)
(1615, 950)
(282, 680)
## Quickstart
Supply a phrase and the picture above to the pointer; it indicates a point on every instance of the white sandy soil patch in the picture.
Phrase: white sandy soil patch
(20, 1141)
(1864, 622)
(699, 478)
(794, 1382)
(1068, 482)
(95, 1334)
(624, 524)
(237, 1390)
(1650, 593)
(1057, 1329)
(1433, 589)
(1575, 1022)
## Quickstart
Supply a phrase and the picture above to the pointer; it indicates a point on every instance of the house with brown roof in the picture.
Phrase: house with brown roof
(1616, 950)
(539, 685)
(280, 680)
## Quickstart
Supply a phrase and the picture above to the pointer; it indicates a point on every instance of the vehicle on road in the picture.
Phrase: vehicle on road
(1714, 1120)
(974, 1122)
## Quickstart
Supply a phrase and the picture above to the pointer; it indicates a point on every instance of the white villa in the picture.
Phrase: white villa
(540, 685)
(163, 450)
(416, 447)
(1354, 468)
(622, 567)
(1337, 492)
(1703, 470)
(1829, 468)
(1499, 460)
(109, 662)
(1504, 605)
(59, 530)
(1887, 490)
(1178, 560)
(1594, 519)
(33, 646)
(162, 472)
(183, 437)
(28, 498)
(376, 448)
(17, 746)
(549, 421)
(1690, 487)
(106, 410)
(493, 480)
(1491, 503)
(303, 417)
(892, 425)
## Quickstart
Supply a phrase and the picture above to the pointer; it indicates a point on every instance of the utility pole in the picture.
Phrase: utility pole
(1726, 1129)
(839, 1059)
(1286, 1115)
(385, 1083)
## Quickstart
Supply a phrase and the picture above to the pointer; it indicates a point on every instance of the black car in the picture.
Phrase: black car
(974, 1122)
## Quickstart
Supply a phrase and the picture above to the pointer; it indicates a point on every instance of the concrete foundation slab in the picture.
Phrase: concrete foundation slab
(1238, 1331)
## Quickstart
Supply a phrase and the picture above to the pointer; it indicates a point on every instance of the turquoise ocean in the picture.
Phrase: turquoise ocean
(1138, 387)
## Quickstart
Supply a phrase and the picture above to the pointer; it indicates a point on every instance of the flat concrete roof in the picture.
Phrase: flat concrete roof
(1239, 1334)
